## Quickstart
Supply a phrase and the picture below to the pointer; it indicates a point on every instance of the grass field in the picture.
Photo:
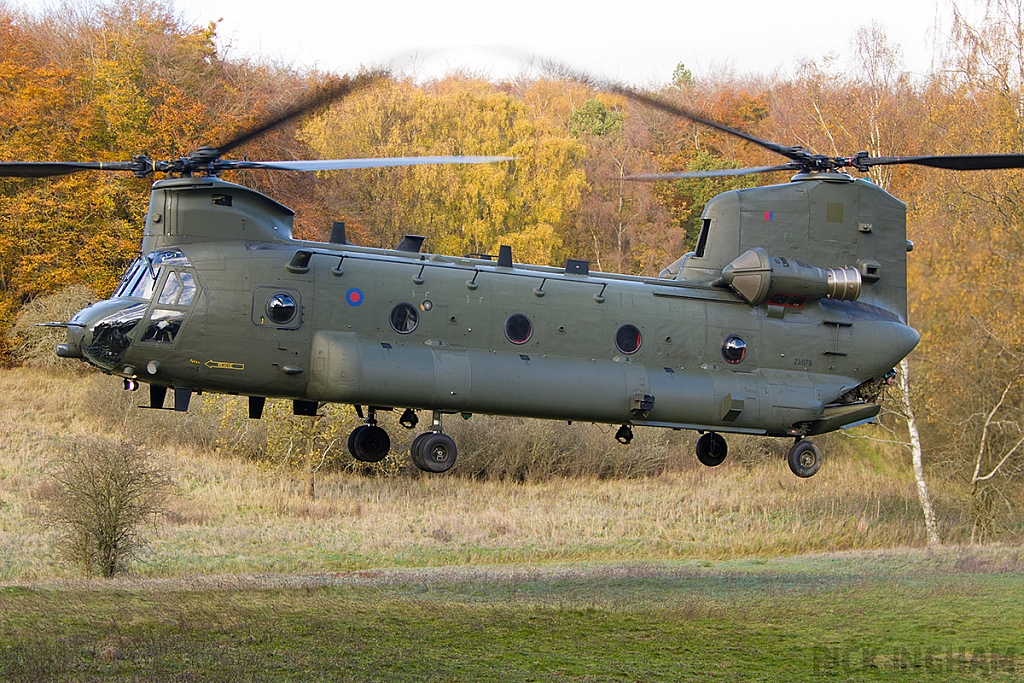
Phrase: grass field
(901, 616)
(742, 572)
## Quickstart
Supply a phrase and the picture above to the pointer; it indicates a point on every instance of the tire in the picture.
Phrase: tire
(414, 451)
(352, 440)
(435, 453)
(369, 443)
(712, 449)
(805, 458)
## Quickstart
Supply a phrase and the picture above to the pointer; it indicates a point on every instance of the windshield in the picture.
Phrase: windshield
(141, 277)
(130, 278)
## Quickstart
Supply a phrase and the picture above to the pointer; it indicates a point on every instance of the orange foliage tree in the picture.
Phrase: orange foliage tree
(125, 79)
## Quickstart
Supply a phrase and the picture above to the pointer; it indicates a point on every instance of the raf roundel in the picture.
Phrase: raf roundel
(354, 296)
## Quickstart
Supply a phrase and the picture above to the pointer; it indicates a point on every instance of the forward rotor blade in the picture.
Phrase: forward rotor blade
(341, 164)
(955, 162)
(45, 169)
(323, 96)
(718, 173)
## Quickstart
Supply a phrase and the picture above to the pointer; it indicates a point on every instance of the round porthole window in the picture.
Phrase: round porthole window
(404, 318)
(518, 328)
(734, 349)
(628, 339)
(281, 308)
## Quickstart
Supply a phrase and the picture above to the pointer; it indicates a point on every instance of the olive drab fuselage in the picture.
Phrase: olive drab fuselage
(791, 309)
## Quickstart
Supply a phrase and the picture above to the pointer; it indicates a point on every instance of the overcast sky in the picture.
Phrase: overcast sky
(639, 41)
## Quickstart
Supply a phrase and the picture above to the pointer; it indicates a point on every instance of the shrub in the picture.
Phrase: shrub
(106, 490)
(35, 346)
(518, 449)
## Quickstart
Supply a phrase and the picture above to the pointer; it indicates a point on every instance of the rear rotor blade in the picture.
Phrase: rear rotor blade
(717, 173)
(341, 164)
(795, 153)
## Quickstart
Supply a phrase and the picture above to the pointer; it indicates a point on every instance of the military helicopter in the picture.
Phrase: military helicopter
(786, 320)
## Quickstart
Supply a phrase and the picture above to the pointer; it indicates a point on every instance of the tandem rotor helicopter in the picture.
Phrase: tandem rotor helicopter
(785, 321)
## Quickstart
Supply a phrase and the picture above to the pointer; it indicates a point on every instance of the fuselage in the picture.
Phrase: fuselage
(318, 322)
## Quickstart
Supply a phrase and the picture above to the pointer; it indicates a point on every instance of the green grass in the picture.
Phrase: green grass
(901, 616)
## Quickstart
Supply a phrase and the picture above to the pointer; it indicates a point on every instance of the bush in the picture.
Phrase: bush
(519, 449)
(35, 346)
(106, 490)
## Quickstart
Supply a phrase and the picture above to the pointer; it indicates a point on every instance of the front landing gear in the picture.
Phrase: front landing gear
(805, 458)
(433, 451)
(712, 449)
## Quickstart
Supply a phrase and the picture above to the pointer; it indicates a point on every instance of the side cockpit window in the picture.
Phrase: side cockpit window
(179, 289)
(188, 289)
(177, 293)
(702, 239)
(172, 287)
(163, 326)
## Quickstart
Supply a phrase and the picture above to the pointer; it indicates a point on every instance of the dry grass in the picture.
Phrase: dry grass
(236, 513)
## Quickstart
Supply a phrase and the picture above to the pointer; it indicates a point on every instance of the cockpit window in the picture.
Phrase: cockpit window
(163, 326)
(171, 289)
(188, 289)
(129, 279)
(141, 278)
(178, 283)
(111, 336)
(702, 239)
(172, 257)
(177, 294)
(144, 286)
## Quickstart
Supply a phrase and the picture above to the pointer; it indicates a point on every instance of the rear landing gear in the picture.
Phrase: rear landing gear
(368, 442)
(712, 449)
(805, 458)
(433, 451)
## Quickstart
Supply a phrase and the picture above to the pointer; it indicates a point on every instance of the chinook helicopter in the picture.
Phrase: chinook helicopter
(786, 320)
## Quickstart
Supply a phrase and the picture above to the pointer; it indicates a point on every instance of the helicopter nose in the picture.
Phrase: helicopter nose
(73, 347)
(102, 333)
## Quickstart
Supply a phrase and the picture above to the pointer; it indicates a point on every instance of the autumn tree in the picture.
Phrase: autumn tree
(972, 260)
(461, 209)
(678, 144)
(105, 83)
(621, 226)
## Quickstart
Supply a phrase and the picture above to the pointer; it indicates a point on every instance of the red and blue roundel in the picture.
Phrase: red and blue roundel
(354, 296)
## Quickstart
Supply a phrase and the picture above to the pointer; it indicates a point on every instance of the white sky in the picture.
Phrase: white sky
(639, 41)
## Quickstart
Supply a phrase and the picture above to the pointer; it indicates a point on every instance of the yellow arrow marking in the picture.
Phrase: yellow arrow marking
(224, 365)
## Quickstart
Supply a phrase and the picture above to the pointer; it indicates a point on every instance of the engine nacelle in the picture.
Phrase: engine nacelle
(758, 277)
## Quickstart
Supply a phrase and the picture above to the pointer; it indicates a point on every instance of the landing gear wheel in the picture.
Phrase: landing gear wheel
(414, 451)
(712, 449)
(369, 443)
(433, 452)
(805, 458)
